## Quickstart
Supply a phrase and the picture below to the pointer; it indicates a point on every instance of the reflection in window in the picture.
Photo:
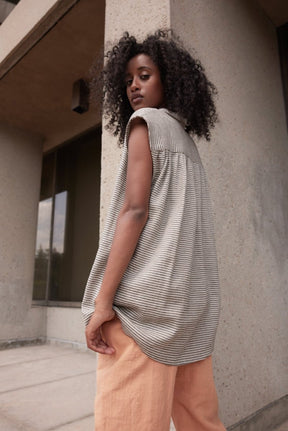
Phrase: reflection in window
(67, 235)
(59, 221)
(57, 256)
(42, 248)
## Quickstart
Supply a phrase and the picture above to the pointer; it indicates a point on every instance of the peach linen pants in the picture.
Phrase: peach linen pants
(136, 393)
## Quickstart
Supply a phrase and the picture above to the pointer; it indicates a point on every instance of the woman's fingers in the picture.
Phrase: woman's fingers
(96, 343)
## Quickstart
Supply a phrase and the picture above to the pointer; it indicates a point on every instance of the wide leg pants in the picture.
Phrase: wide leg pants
(136, 393)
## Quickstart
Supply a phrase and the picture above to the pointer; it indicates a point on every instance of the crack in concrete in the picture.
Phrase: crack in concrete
(47, 382)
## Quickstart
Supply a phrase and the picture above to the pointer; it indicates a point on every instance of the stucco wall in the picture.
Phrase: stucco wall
(246, 163)
(20, 170)
(119, 19)
(65, 325)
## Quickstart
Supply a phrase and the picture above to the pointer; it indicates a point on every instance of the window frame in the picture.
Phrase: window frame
(46, 302)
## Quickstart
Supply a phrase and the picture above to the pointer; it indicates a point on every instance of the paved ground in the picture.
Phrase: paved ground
(46, 388)
(49, 388)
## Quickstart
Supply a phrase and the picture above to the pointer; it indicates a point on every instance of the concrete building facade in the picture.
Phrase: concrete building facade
(48, 150)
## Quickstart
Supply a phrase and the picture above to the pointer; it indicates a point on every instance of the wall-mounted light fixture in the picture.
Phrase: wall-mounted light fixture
(80, 96)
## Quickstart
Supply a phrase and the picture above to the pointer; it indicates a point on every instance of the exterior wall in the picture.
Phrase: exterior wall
(246, 163)
(25, 26)
(65, 325)
(20, 170)
(119, 19)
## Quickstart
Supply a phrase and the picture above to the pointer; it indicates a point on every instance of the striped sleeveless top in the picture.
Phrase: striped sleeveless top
(168, 298)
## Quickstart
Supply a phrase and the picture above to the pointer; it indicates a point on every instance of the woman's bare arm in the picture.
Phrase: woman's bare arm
(130, 223)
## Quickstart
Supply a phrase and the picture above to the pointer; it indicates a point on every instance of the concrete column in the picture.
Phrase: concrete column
(246, 163)
(20, 171)
(138, 18)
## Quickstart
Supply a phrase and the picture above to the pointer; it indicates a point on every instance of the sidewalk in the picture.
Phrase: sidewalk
(46, 388)
(49, 388)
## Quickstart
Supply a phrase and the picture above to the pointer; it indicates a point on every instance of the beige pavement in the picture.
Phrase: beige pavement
(46, 388)
(49, 388)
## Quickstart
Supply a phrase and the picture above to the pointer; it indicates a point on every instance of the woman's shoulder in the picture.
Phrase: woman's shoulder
(149, 113)
(158, 114)
(157, 118)
(153, 117)
(166, 130)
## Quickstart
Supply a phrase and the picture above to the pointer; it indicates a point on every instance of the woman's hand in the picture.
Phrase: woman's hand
(93, 330)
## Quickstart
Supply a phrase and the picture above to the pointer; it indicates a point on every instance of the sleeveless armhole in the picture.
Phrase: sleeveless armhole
(148, 116)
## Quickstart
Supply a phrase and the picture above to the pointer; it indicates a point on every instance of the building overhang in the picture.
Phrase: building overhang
(38, 70)
(37, 76)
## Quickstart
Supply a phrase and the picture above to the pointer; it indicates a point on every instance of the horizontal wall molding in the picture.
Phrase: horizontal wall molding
(67, 343)
(11, 344)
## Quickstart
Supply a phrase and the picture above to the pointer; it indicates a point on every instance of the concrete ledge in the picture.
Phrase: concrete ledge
(265, 419)
(11, 344)
(68, 343)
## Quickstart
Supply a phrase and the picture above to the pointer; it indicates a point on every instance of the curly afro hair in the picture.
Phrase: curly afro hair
(187, 91)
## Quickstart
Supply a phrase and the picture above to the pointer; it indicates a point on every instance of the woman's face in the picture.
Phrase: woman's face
(144, 88)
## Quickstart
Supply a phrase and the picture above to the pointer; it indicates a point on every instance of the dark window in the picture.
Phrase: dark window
(283, 51)
(68, 220)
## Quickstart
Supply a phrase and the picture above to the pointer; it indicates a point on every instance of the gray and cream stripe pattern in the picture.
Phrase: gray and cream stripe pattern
(168, 299)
